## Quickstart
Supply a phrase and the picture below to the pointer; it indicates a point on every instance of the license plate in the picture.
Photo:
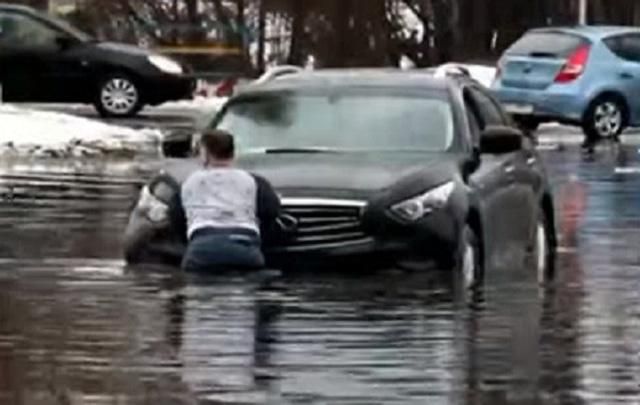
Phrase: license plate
(522, 109)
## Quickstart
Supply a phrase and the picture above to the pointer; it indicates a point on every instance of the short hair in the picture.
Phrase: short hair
(218, 144)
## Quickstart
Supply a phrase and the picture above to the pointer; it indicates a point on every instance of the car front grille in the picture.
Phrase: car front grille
(325, 224)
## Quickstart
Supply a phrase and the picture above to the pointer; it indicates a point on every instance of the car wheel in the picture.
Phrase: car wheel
(469, 268)
(118, 96)
(527, 124)
(543, 255)
(605, 118)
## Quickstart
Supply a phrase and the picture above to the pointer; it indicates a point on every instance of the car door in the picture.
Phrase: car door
(627, 72)
(521, 209)
(34, 66)
(17, 66)
(494, 186)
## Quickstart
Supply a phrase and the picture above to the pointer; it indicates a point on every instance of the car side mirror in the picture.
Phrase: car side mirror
(499, 139)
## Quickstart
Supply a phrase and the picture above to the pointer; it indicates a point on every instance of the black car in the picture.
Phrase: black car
(43, 59)
(396, 166)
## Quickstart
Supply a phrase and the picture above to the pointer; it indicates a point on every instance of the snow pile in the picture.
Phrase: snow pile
(49, 134)
(482, 74)
(198, 104)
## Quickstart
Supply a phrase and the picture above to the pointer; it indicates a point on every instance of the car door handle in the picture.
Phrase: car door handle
(626, 75)
(532, 161)
(509, 169)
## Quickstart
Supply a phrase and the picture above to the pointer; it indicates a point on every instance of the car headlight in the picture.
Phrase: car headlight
(152, 207)
(417, 207)
(165, 64)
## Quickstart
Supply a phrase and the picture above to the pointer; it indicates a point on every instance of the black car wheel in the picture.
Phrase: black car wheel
(469, 266)
(527, 124)
(543, 255)
(118, 96)
(605, 118)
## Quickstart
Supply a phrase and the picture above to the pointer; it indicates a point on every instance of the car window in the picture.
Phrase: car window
(17, 30)
(350, 122)
(558, 44)
(474, 119)
(489, 110)
(625, 46)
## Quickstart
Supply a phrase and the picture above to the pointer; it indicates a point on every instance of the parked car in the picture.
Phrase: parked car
(43, 59)
(587, 76)
(401, 167)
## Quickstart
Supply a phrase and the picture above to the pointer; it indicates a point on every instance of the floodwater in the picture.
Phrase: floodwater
(78, 327)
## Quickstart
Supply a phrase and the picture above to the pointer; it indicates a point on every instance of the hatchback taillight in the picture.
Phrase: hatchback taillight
(575, 65)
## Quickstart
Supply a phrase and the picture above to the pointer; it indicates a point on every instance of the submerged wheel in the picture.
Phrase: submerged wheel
(118, 96)
(469, 269)
(543, 252)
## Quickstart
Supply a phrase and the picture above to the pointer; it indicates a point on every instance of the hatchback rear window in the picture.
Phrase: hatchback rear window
(546, 44)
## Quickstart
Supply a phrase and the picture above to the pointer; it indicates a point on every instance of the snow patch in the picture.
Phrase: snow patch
(48, 134)
(198, 104)
(482, 74)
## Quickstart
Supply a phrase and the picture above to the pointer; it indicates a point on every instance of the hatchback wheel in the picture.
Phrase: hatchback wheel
(605, 118)
(469, 269)
(118, 96)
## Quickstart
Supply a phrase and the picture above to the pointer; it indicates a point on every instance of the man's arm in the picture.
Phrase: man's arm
(269, 208)
(177, 217)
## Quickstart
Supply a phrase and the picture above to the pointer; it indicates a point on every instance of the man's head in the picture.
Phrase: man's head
(217, 147)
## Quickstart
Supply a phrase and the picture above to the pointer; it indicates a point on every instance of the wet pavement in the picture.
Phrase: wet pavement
(78, 327)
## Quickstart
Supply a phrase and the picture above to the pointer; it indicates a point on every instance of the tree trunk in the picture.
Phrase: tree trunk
(262, 20)
(296, 54)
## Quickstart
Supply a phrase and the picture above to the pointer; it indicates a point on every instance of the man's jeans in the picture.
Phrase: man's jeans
(223, 249)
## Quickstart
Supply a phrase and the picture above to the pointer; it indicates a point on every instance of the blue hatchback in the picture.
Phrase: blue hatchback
(587, 76)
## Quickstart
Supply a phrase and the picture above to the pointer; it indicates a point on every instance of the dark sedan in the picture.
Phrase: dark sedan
(401, 167)
(43, 59)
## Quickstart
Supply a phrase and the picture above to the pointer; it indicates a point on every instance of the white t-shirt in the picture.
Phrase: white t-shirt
(220, 198)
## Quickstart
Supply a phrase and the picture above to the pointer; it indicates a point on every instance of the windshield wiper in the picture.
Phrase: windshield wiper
(283, 151)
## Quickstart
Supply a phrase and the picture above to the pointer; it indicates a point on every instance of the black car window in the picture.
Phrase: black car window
(625, 46)
(21, 31)
(473, 118)
(489, 110)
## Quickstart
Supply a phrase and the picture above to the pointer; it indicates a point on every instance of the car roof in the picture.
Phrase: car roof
(593, 32)
(16, 7)
(391, 78)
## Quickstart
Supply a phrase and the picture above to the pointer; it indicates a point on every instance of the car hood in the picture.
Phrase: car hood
(348, 175)
(121, 48)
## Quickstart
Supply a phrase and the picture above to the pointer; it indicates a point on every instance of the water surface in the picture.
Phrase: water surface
(78, 327)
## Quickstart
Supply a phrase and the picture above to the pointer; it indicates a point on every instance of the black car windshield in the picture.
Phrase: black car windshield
(70, 29)
(346, 122)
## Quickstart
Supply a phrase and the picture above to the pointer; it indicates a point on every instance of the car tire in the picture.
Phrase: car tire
(118, 96)
(469, 269)
(542, 250)
(527, 124)
(605, 118)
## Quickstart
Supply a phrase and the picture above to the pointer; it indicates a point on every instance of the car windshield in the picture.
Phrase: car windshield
(350, 122)
(65, 26)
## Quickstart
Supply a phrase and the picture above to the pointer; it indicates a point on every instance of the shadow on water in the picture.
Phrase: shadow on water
(77, 326)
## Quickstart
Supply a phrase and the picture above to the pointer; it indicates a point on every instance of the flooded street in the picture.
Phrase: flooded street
(78, 327)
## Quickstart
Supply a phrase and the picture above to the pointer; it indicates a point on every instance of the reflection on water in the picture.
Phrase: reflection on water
(78, 327)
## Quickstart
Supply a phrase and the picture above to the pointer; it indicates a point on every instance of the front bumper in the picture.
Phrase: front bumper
(434, 238)
(162, 88)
